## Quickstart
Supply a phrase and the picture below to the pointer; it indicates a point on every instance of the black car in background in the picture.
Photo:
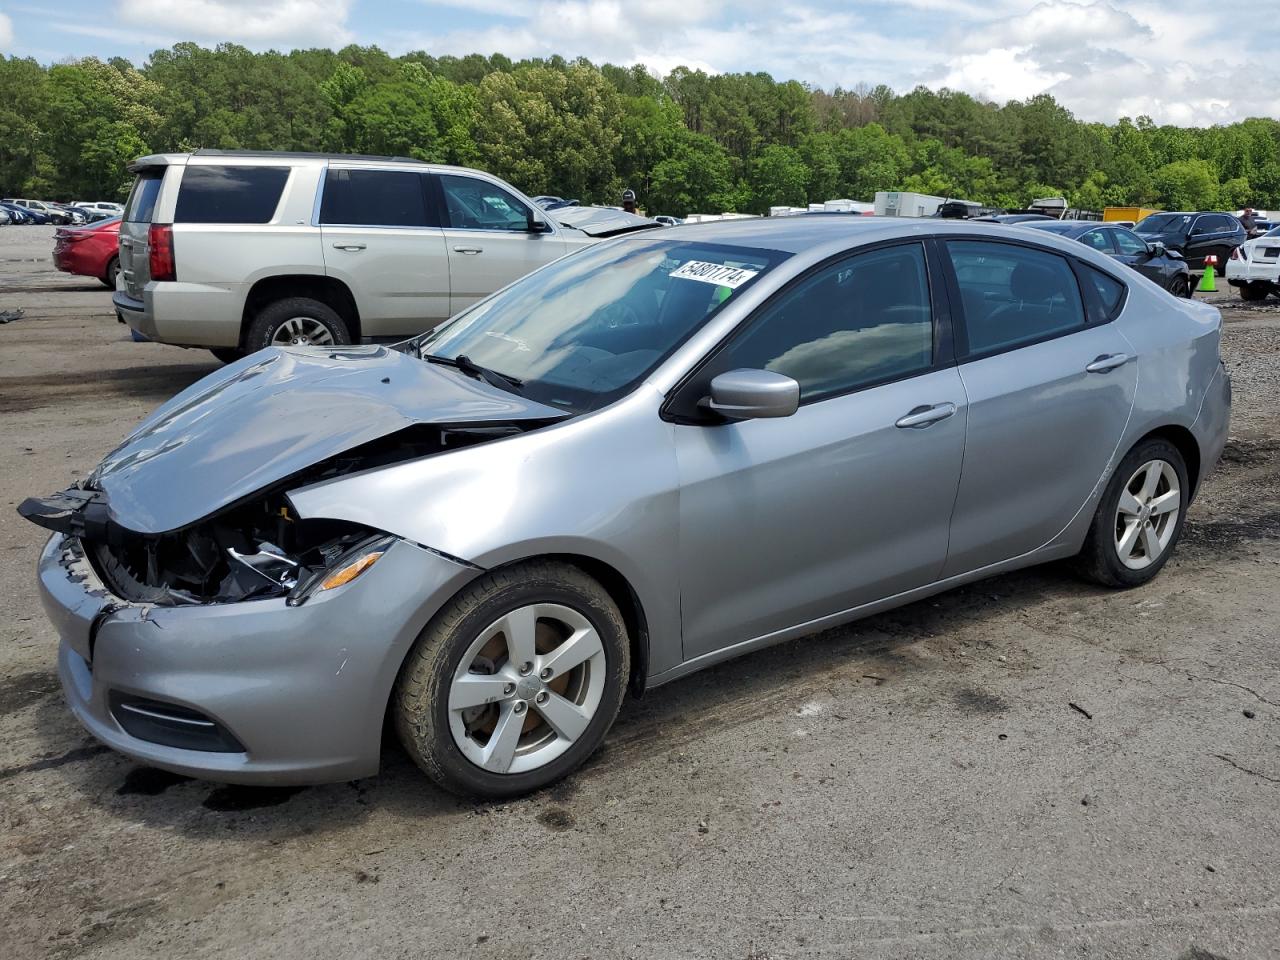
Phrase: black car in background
(1150, 258)
(1195, 235)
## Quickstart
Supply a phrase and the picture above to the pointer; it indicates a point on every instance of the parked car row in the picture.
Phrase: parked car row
(1150, 258)
(60, 214)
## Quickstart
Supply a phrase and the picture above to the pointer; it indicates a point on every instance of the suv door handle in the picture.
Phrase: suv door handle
(468, 250)
(348, 246)
(924, 416)
(1107, 362)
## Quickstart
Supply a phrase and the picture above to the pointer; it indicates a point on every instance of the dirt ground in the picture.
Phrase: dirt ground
(1028, 767)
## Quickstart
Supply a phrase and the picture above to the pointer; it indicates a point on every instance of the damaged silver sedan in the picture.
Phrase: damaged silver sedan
(636, 462)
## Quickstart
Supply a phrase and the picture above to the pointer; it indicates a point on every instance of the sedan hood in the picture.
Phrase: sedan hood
(276, 413)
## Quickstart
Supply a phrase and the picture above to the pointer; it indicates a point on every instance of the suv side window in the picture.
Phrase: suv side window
(863, 320)
(1129, 243)
(375, 198)
(229, 194)
(474, 204)
(142, 198)
(1013, 296)
(1211, 224)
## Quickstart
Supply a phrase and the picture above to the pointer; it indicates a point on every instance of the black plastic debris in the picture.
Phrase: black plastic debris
(8, 316)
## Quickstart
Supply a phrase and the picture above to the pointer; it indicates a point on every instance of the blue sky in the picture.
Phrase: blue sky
(1102, 58)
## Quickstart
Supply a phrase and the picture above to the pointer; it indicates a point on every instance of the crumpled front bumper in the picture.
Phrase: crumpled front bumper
(303, 689)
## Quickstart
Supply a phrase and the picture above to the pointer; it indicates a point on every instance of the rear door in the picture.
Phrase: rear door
(1050, 383)
(139, 209)
(490, 243)
(382, 238)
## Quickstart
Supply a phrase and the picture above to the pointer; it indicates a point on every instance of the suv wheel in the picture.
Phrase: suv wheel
(297, 322)
(227, 354)
(1139, 519)
(514, 682)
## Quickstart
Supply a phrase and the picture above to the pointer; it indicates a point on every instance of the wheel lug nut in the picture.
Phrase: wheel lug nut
(519, 707)
(546, 673)
(526, 667)
(542, 697)
(508, 689)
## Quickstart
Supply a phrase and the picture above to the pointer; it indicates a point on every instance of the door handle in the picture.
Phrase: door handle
(923, 416)
(1108, 361)
(348, 246)
(468, 250)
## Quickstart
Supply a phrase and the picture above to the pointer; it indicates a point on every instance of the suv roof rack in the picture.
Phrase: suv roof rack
(300, 155)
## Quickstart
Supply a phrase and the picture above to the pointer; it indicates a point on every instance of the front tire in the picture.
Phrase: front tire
(298, 322)
(515, 682)
(1139, 519)
(1180, 287)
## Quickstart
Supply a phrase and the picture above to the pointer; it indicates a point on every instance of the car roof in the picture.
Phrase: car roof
(809, 231)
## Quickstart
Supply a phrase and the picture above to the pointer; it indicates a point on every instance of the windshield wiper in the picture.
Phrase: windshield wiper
(472, 369)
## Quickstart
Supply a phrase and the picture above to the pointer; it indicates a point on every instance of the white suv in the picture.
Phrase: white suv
(236, 251)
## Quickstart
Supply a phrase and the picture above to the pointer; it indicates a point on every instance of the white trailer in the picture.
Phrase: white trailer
(904, 204)
(847, 206)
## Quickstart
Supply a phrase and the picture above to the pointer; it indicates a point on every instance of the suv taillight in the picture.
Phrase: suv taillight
(160, 242)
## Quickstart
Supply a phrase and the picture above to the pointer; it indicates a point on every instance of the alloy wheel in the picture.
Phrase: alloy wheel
(302, 332)
(1147, 514)
(527, 688)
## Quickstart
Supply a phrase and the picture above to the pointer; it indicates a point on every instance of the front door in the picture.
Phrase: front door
(847, 501)
(1049, 397)
(490, 243)
(383, 240)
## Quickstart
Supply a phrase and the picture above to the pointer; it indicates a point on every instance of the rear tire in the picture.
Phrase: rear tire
(108, 278)
(556, 701)
(1129, 543)
(296, 321)
(1253, 292)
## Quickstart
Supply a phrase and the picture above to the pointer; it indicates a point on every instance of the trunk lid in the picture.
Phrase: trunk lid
(135, 255)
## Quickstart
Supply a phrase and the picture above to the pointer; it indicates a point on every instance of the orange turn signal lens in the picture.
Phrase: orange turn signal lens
(352, 570)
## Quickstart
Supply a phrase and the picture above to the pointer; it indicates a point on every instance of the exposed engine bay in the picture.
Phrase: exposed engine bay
(255, 548)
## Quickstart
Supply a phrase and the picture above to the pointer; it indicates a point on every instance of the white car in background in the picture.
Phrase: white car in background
(1254, 266)
(99, 206)
(241, 250)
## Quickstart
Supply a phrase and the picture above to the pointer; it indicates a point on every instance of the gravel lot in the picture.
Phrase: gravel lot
(1028, 767)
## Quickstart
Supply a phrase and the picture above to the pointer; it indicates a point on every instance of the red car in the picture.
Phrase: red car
(91, 251)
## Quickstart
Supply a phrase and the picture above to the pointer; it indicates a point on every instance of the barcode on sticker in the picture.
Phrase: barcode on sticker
(720, 274)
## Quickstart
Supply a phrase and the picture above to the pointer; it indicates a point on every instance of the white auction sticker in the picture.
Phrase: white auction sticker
(718, 273)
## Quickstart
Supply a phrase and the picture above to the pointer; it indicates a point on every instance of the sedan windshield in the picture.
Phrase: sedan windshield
(1163, 223)
(586, 329)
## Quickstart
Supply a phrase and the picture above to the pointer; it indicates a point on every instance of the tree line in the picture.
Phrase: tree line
(689, 142)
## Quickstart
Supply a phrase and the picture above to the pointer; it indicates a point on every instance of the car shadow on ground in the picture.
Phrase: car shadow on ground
(156, 384)
(841, 664)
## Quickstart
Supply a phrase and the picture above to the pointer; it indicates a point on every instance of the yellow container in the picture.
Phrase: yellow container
(1112, 214)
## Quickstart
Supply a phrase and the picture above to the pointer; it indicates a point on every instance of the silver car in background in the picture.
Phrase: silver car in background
(661, 452)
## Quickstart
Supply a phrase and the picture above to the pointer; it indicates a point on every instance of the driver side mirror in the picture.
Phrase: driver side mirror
(753, 394)
(537, 224)
(1156, 248)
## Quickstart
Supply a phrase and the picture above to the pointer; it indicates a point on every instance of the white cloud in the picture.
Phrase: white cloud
(291, 23)
(6, 32)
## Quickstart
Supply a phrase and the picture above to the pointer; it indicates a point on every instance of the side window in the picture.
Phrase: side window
(374, 198)
(1109, 290)
(1211, 224)
(863, 320)
(1099, 240)
(1013, 295)
(475, 204)
(229, 194)
(1129, 244)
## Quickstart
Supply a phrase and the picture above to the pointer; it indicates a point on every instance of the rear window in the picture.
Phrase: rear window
(375, 198)
(142, 198)
(229, 194)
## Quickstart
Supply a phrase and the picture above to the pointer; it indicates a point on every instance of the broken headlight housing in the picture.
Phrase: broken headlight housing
(345, 568)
